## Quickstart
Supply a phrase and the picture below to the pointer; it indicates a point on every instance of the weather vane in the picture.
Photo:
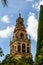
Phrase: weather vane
(19, 13)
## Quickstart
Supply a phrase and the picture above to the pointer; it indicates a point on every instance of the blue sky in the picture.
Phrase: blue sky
(29, 10)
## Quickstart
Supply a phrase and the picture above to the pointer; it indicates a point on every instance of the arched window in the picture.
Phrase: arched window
(23, 47)
(19, 47)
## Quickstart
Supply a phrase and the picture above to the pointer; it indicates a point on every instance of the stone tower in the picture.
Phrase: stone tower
(20, 44)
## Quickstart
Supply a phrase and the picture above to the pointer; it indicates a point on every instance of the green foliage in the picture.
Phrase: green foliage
(40, 28)
(39, 51)
(27, 60)
(1, 52)
(10, 60)
(0, 62)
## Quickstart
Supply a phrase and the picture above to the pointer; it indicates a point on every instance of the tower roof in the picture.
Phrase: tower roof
(19, 23)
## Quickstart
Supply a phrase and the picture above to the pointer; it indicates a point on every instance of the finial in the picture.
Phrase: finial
(19, 14)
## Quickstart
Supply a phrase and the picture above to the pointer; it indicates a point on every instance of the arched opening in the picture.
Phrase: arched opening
(21, 35)
(21, 22)
(23, 47)
(19, 47)
(28, 50)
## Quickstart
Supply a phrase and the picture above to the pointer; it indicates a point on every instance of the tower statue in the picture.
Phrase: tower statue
(20, 45)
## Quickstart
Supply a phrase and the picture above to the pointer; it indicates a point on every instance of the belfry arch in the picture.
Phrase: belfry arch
(19, 47)
(23, 48)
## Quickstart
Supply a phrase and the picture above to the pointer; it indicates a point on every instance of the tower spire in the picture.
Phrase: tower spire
(19, 14)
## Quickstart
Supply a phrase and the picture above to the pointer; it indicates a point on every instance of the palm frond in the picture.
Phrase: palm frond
(4, 2)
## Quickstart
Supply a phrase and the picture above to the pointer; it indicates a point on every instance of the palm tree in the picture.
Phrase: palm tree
(4, 2)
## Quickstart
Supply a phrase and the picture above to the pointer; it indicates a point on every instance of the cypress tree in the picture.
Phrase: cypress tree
(39, 50)
(40, 28)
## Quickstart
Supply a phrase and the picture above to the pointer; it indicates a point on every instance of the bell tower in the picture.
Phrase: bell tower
(20, 45)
